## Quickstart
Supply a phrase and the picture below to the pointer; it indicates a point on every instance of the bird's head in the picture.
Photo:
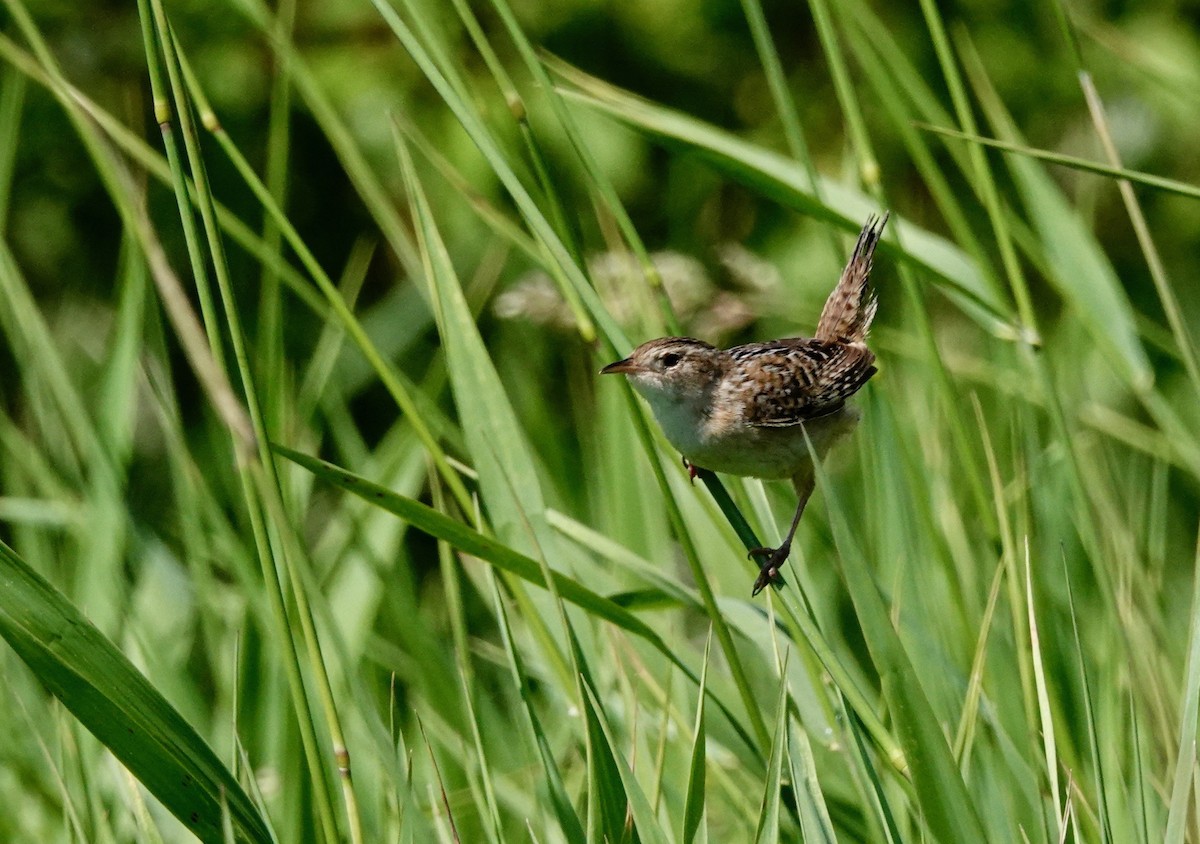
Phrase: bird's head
(673, 369)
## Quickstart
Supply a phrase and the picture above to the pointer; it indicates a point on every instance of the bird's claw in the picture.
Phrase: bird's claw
(769, 572)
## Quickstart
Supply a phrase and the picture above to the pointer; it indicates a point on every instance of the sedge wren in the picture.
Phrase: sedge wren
(753, 409)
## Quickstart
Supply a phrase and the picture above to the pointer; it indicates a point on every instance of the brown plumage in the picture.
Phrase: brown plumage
(847, 315)
(754, 409)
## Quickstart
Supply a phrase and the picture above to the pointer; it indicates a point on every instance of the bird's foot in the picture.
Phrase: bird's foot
(769, 571)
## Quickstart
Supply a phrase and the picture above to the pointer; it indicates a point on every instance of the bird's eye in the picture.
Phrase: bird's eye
(669, 360)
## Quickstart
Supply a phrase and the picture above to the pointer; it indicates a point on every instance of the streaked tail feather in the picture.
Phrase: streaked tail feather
(848, 311)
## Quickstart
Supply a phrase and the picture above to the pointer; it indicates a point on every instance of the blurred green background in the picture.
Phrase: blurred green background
(988, 630)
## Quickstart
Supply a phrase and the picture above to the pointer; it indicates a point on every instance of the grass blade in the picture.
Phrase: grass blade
(693, 802)
(116, 703)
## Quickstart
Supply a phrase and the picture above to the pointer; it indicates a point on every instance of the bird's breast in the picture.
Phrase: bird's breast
(733, 447)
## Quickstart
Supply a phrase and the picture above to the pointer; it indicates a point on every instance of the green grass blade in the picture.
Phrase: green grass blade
(1185, 752)
(497, 554)
(1049, 737)
(776, 177)
(644, 820)
(767, 831)
(1089, 711)
(485, 140)
(101, 688)
(1083, 165)
(568, 819)
(693, 803)
(608, 804)
(509, 484)
(939, 787)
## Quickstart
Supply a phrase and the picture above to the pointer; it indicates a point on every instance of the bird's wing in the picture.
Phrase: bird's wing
(788, 381)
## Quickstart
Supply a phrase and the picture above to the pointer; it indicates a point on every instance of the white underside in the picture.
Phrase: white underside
(754, 451)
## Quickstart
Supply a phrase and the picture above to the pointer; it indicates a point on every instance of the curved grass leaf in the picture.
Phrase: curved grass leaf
(768, 816)
(500, 556)
(644, 819)
(778, 177)
(117, 704)
(693, 805)
(938, 785)
(1082, 164)
(568, 818)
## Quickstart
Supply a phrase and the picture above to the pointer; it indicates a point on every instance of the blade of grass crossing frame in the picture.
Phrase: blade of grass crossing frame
(568, 819)
(508, 480)
(1138, 799)
(778, 178)
(334, 130)
(500, 556)
(12, 101)
(644, 819)
(815, 823)
(1081, 272)
(694, 796)
(1083, 165)
(487, 145)
(884, 815)
(607, 802)
(1101, 797)
(978, 171)
(1185, 760)
(1154, 264)
(598, 179)
(1049, 742)
(767, 831)
(115, 702)
(939, 787)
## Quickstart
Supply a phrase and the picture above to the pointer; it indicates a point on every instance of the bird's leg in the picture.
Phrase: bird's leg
(692, 470)
(775, 557)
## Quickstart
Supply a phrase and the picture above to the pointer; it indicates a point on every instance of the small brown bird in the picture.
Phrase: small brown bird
(746, 410)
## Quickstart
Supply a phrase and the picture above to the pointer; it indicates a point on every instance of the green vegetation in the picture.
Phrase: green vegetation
(316, 518)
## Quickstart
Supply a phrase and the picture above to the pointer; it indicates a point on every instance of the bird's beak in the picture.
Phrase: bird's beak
(621, 366)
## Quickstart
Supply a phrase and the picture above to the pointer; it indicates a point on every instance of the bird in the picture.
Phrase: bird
(753, 410)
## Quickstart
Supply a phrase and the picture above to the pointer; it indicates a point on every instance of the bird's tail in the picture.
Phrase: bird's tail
(851, 306)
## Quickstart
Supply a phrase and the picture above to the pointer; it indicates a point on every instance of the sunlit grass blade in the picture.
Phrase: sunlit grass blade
(509, 484)
(776, 177)
(485, 140)
(465, 539)
(1049, 737)
(1184, 774)
(815, 822)
(1083, 165)
(767, 831)
(939, 787)
(496, 554)
(693, 803)
(644, 819)
(663, 584)
(598, 179)
(568, 818)
(1080, 270)
(101, 688)
(1100, 797)
(607, 801)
